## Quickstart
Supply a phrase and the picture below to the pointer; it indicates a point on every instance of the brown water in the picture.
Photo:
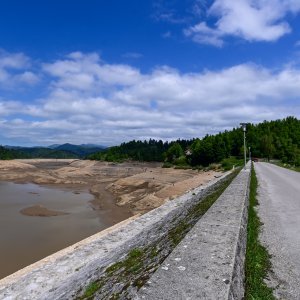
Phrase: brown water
(26, 239)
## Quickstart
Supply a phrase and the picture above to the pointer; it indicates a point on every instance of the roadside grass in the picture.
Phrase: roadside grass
(286, 165)
(258, 262)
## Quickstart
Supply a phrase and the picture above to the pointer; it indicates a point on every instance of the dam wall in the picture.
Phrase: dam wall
(119, 262)
(209, 261)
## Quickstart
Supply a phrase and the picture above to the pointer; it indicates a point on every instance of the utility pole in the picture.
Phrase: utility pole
(244, 125)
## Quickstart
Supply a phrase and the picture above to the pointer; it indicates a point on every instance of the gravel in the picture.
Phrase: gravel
(279, 210)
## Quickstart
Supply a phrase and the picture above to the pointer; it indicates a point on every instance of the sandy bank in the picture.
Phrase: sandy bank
(41, 211)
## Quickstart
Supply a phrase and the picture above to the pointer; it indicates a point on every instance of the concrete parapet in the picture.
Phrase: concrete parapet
(68, 273)
(209, 262)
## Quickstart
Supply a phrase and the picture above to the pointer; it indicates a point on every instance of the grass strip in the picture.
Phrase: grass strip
(258, 262)
(287, 166)
(177, 233)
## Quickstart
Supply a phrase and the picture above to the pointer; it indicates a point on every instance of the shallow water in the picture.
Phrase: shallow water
(26, 239)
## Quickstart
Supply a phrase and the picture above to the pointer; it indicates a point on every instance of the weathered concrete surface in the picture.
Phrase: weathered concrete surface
(209, 261)
(66, 274)
(279, 210)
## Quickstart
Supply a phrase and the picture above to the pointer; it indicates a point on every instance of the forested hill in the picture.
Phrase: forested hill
(6, 153)
(278, 139)
(54, 151)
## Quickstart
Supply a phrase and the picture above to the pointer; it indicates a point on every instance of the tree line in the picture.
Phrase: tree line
(278, 139)
(34, 152)
(6, 154)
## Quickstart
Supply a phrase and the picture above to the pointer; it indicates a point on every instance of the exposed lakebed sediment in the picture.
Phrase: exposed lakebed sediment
(47, 205)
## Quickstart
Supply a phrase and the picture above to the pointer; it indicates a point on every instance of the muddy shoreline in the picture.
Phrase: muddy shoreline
(124, 189)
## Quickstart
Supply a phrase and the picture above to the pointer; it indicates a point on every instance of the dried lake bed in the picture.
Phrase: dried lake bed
(46, 205)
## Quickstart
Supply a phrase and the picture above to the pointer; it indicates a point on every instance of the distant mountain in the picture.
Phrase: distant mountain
(41, 152)
(54, 151)
(93, 146)
(53, 146)
(80, 150)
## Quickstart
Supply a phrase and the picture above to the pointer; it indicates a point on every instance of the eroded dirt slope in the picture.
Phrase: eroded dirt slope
(138, 187)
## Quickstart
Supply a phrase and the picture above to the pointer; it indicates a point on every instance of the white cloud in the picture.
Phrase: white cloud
(13, 60)
(203, 34)
(84, 72)
(9, 107)
(14, 70)
(90, 101)
(252, 20)
(27, 77)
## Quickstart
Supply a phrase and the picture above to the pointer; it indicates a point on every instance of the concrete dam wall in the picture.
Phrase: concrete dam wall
(133, 260)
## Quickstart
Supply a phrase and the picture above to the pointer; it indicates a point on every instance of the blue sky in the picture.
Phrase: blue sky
(111, 71)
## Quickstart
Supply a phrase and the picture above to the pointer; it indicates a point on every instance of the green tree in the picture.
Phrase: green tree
(267, 147)
(174, 152)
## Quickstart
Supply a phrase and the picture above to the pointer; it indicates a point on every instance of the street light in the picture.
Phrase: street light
(249, 153)
(244, 125)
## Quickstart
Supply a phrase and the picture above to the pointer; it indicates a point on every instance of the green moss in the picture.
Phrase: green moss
(141, 281)
(257, 257)
(91, 289)
(201, 208)
(176, 234)
(153, 252)
(115, 296)
(132, 264)
(114, 267)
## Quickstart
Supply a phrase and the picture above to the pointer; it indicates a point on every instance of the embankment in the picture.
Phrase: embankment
(119, 261)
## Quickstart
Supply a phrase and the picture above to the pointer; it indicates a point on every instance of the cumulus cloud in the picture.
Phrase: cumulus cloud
(13, 60)
(15, 70)
(252, 20)
(8, 107)
(84, 72)
(88, 100)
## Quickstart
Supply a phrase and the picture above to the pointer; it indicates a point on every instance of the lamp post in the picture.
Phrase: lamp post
(244, 125)
(250, 154)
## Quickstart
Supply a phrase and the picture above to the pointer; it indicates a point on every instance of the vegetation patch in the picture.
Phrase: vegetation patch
(258, 262)
(179, 231)
(292, 167)
(229, 163)
(91, 289)
(176, 234)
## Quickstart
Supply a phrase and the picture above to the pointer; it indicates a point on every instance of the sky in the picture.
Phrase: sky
(105, 72)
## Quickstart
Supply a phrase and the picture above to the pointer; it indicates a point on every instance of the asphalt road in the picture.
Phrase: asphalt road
(279, 210)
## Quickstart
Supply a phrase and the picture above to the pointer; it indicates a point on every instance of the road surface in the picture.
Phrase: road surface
(279, 210)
